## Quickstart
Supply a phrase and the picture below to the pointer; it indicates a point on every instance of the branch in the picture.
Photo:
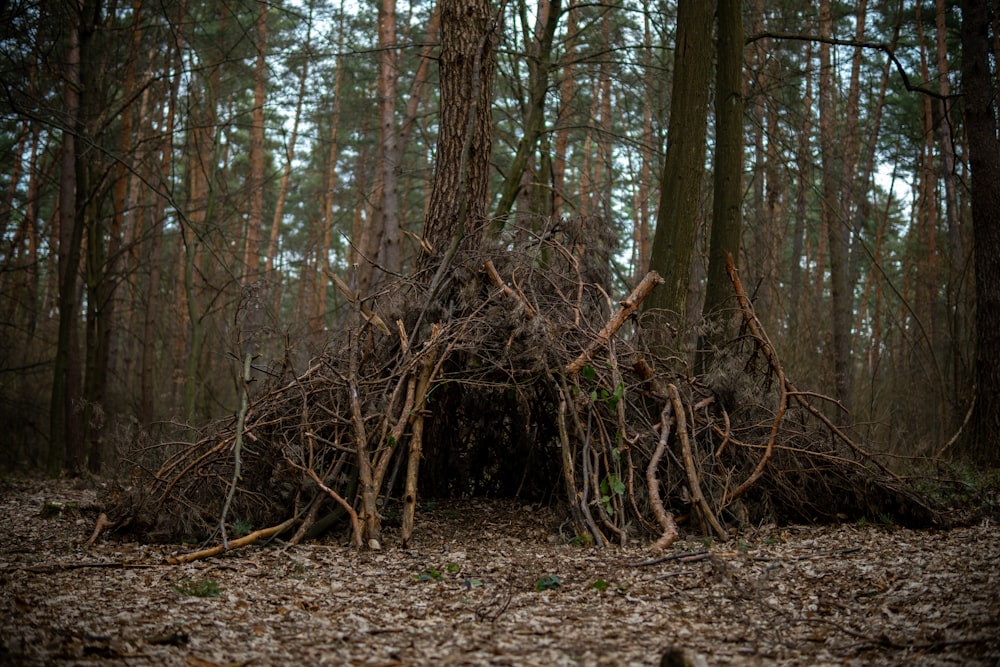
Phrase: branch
(628, 308)
(693, 483)
(235, 544)
(663, 517)
(876, 46)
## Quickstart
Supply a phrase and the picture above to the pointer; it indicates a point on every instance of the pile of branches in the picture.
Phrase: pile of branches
(515, 373)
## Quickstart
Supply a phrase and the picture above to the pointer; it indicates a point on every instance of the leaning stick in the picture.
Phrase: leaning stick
(491, 271)
(692, 474)
(628, 308)
(233, 544)
(663, 517)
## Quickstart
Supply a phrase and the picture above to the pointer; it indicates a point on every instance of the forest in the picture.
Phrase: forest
(555, 332)
(202, 199)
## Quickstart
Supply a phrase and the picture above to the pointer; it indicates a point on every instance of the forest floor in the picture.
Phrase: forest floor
(493, 583)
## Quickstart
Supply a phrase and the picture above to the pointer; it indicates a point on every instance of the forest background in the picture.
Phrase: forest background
(163, 163)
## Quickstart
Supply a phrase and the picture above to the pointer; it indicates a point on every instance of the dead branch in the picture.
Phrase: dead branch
(663, 517)
(234, 544)
(692, 474)
(416, 437)
(628, 308)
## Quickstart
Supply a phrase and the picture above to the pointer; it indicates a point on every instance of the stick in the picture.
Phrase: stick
(494, 275)
(628, 308)
(416, 437)
(102, 523)
(692, 474)
(234, 544)
(665, 518)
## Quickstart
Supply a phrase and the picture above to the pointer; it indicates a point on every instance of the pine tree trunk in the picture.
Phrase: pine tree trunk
(727, 218)
(984, 160)
(680, 189)
(459, 194)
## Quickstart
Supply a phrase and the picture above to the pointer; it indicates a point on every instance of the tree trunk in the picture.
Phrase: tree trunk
(680, 186)
(836, 226)
(389, 250)
(459, 194)
(255, 180)
(984, 160)
(286, 173)
(66, 426)
(727, 218)
(640, 263)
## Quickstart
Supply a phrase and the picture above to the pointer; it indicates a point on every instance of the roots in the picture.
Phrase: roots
(518, 376)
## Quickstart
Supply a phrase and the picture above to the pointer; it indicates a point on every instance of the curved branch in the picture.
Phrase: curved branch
(875, 46)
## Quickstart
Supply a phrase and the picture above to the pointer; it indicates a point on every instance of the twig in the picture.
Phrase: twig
(684, 556)
(495, 278)
(772, 359)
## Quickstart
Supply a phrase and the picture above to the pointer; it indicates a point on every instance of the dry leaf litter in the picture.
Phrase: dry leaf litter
(493, 582)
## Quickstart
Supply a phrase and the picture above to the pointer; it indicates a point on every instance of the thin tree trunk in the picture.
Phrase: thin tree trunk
(955, 306)
(152, 259)
(286, 173)
(549, 13)
(65, 427)
(640, 263)
(566, 93)
(836, 226)
(389, 249)
(255, 181)
(802, 188)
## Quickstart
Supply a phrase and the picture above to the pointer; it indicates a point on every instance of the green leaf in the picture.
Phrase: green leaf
(548, 582)
(588, 373)
(430, 574)
(617, 485)
(600, 585)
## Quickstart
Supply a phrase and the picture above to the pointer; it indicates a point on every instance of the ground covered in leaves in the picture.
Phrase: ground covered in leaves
(493, 583)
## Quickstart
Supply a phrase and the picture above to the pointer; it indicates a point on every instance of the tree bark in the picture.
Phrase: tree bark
(836, 225)
(389, 257)
(680, 186)
(65, 428)
(984, 160)
(727, 217)
(459, 194)
(255, 180)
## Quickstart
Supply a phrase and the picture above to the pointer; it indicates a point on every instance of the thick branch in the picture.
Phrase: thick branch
(628, 308)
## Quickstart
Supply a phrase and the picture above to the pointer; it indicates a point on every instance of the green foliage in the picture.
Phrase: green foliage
(433, 573)
(548, 583)
(611, 485)
(200, 588)
(429, 574)
(242, 528)
(599, 585)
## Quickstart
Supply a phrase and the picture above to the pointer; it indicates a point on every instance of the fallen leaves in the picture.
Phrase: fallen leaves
(796, 595)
